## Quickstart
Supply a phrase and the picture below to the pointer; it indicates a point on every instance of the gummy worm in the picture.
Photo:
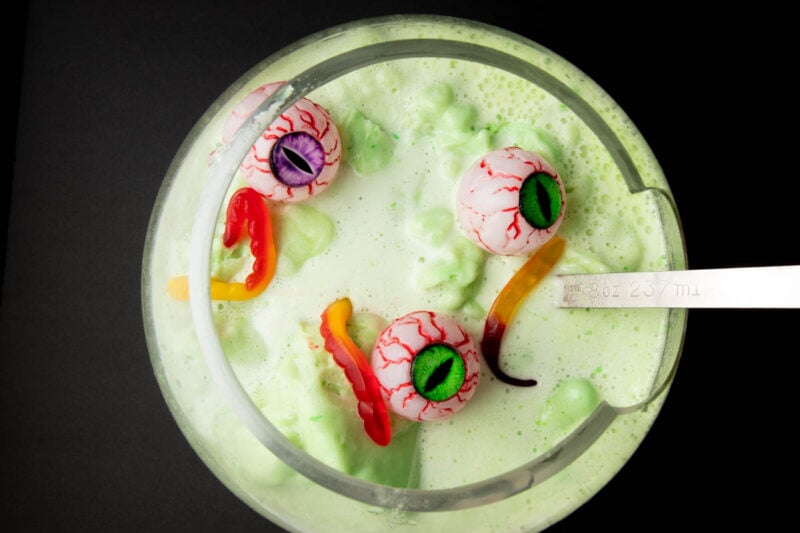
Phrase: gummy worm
(509, 299)
(247, 214)
(357, 369)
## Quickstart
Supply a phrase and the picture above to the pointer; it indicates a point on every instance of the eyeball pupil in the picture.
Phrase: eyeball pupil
(438, 372)
(297, 160)
(438, 376)
(540, 200)
(543, 198)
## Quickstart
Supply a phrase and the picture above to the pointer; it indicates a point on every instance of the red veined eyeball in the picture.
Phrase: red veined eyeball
(297, 156)
(427, 365)
(510, 202)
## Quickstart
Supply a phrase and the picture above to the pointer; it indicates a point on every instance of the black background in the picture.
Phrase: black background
(108, 92)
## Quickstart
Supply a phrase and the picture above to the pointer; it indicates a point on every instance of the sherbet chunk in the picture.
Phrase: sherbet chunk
(467, 142)
(529, 138)
(240, 341)
(364, 328)
(459, 116)
(450, 277)
(576, 261)
(304, 233)
(451, 126)
(432, 226)
(433, 100)
(227, 263)
(571, 401)
(449, 264)
(252, 460)
(456, 146)
(323, 419)
(368, 147)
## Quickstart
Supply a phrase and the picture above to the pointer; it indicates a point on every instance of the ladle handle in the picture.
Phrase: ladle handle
(771, 287)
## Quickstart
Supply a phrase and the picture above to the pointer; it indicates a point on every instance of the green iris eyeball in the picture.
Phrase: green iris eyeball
(540, 200)
(437, 372)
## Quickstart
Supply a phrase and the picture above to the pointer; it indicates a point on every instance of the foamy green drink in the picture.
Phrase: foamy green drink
(384, 235)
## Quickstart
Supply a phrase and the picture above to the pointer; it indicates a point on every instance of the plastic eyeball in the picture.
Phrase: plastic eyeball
(297, 156)
(427, 365)
(510, 202)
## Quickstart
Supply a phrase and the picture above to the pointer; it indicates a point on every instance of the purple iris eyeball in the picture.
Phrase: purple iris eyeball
(297, 159)
(297, 156)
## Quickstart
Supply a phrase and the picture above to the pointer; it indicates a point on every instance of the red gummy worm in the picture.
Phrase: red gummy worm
(247, 205)
(349, 357)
